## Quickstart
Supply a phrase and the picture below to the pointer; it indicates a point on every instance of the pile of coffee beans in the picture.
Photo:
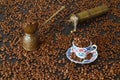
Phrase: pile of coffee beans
(81, 42)
(49, 62)
(76, 58)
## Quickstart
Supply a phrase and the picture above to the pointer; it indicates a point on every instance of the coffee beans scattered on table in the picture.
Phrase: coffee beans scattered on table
(0, 37)
(49, 62)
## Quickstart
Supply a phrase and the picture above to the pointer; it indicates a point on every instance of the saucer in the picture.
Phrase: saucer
(86, 61)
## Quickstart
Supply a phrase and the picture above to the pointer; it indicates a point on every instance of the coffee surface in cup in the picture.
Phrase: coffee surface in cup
(81, 42)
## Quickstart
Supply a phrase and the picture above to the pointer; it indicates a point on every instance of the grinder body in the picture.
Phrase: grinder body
(88, 14)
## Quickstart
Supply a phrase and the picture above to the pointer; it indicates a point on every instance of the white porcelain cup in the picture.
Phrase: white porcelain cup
(82, 52)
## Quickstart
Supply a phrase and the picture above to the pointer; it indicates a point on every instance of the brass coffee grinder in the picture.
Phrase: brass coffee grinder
(88, 14)
(30, 39)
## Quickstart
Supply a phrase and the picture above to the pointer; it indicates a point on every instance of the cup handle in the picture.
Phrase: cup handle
(94, 46)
